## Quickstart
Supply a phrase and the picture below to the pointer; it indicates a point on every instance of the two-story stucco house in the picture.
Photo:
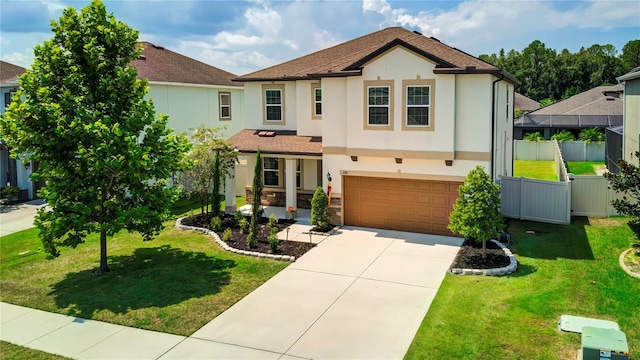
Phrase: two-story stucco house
(191, 92)
(393, 120)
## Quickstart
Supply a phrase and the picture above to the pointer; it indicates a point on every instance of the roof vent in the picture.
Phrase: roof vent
(435, 39)
(610, 98)
(158, 47)
(417, 32)
(142, 57)
(267, 134)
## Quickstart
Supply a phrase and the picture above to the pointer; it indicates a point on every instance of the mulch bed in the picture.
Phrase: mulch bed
(239, 240)
(470, 256)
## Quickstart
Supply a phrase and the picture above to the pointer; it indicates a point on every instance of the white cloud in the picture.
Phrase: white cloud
(473, 22)
(20, 59)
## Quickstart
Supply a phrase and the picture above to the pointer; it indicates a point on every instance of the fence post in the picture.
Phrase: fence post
(569, 201)
(521, 198)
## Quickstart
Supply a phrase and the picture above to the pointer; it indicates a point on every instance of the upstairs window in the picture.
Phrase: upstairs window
(225, 106)
(378, 105)
(317, 101)
(418, 101)
(418, 105)
(274, 104)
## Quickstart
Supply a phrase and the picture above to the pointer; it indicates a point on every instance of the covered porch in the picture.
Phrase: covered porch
(291, 166)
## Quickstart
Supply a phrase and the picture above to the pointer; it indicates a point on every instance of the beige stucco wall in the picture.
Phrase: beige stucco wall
(254, 109)
(631, 120)
(306, 125)
(191, 106)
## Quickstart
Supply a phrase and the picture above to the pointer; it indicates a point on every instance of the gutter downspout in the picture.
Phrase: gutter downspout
(493, 125)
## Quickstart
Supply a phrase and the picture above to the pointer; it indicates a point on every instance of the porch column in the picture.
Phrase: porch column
(290, 182)
(230, 191)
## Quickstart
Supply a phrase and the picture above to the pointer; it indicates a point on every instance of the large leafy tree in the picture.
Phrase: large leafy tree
(627, 182)
(103, 153)
(476, 213)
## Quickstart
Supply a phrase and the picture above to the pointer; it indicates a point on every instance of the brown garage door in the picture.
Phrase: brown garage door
(400, 204)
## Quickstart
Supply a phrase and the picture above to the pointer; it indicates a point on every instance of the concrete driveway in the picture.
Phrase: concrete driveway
(18, 217)
(361, 293)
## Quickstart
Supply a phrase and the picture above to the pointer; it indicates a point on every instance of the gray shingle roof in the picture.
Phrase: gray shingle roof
(159, 64)
(524, 103)
(349, 57)
(9, 73)
(590, 102)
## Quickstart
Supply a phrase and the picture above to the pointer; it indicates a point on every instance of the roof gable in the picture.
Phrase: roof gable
(348, 58)
(159, 64)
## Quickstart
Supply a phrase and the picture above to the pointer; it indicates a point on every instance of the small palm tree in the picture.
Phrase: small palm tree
(534, 136)
(564, 135)
(592, 134)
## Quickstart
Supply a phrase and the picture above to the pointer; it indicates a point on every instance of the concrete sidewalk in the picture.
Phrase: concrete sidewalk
(18, 217)
(361, 293)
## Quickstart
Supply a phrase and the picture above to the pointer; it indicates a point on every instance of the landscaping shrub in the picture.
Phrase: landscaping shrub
(216, 223)
(273, 240)
(238, 216)
(273, 221)
(252, 240)
(226, 235)
(320, 208)
(244, 225)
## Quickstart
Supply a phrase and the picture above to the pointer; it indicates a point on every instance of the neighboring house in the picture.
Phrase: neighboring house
(12, 172)
(600, 107)
(525, 104)
(393, 120)
(631, 132)
(190, 92)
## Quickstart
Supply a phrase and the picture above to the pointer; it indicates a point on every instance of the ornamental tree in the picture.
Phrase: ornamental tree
(256, 195)
(103, 153)
(320, 208)
(211, 160)
(476, 213)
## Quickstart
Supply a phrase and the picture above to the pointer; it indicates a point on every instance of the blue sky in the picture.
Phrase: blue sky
(243, 36)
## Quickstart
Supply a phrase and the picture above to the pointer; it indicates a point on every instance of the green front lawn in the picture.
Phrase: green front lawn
(176, 283)
(584, 167)
(563, 269)
(9, 351)
(540, 170)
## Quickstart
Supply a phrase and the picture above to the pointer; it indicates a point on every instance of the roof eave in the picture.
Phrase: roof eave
(277, 152)
(468, 70)
(310, 76)
(629, 76)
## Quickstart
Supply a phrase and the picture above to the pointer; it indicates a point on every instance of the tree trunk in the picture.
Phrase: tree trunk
(104, 267)
(484, 249)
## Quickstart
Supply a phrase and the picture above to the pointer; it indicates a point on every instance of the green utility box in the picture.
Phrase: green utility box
(604, 344)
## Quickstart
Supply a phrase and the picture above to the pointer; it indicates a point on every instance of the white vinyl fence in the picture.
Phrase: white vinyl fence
(571, 150)
(555, 201)
(536, 200)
